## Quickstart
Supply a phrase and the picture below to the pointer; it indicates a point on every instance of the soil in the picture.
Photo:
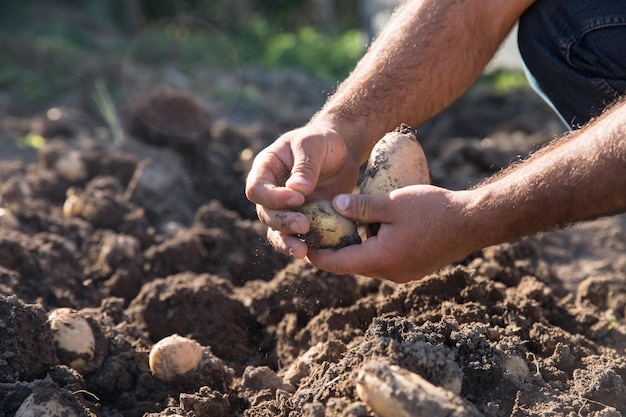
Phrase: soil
(152, 236)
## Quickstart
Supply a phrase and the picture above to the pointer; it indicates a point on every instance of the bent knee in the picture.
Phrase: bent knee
(575, 51)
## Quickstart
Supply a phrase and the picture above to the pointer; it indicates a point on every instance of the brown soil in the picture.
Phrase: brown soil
(160, 239)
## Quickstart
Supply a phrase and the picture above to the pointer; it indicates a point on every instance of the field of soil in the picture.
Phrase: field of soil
(152, 236)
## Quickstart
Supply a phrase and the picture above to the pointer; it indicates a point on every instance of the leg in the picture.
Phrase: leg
(575, 51)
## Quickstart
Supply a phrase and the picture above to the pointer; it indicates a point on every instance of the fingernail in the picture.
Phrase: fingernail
(342, 201)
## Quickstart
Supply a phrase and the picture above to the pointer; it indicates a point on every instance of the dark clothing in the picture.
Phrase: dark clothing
(576, 52)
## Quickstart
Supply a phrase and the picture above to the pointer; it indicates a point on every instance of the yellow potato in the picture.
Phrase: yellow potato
(397, 160)
(173, 356)
(328, 230)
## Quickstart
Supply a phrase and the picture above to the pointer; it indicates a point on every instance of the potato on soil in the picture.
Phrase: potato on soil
(50, 403)
(173, 356)
(397, 160)
(328, 229)
(392, 391)
(74, 339)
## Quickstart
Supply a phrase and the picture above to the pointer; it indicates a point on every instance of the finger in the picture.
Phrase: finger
(363, 208)
(263, 183)
(366, 259)
(283, 221)
(309, 155)
(287, 244)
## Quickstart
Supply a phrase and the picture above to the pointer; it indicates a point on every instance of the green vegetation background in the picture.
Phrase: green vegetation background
(43, 42)
(48, 47)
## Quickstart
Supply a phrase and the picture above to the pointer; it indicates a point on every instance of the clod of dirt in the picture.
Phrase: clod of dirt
(105, 206)
(167, 117)
(26, 341)
(236, 248)
(202, 307)
(115, 262)
(292, 289)
(261, 384)
(183, 252)
(206, 402)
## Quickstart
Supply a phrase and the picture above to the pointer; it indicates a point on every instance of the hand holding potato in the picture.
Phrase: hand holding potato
(309, 162)
(422, 228)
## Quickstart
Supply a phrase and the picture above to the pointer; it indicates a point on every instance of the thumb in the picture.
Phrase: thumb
(361, 207)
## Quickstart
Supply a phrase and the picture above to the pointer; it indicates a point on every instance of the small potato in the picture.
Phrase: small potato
(328, 230)
(173, 356)
(73, 206)
(46, 404)
(74, 339)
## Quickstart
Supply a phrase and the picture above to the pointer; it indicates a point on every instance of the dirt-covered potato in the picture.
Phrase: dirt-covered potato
(49, 403)
(173, 356)
(329, 230)
(392, 391)
(397, 160)
(74, 339)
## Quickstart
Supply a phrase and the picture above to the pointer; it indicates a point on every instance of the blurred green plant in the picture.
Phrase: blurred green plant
(502, 81)
(317, 53)
(187, 44)
(36, 67)
(31, 140)
(106, 106)
(309, 49)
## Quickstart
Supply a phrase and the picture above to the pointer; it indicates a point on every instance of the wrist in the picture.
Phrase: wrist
(482, 222)
(500, 212)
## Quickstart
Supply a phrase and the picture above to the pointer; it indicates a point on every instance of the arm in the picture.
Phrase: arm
(580, 177)
(427, 56)
(429, 53)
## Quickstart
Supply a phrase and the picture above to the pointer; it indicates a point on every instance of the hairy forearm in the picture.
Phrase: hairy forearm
(580, 177)
(428, 55)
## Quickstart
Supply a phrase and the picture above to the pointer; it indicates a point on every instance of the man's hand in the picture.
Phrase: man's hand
(311, 161)
(422, 228)
(579, 177)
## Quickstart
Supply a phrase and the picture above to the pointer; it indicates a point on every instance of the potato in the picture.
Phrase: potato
(392, 391)
(74, 339)
(46, 404)
(328, 230)
(173, 356)
(397, 160)
(73, 206)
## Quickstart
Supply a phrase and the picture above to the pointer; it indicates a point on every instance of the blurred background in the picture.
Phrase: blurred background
(119, 49)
